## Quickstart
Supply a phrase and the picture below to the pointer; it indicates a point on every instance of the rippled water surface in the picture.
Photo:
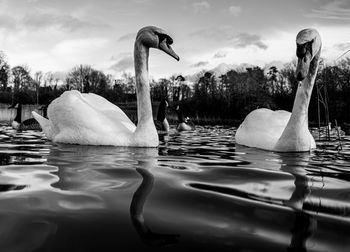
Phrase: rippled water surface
(198, 190)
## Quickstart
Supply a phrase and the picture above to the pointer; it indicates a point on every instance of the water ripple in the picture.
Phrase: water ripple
(197, 189)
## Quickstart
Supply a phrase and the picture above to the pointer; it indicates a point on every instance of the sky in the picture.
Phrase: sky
(51, 35)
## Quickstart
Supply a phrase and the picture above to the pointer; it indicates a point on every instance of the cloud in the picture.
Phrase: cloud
(123, 64)
(79, 46)
(226, 34)
(243, 40)
(7, 22)
(220, 55)
(336, 10)
(215, 33)
(201, 7)
(120, 56)
(39, 21)
(200, 64)
(342, 46)
(142, 1)
(46, 20)
(235, 10)
(127, 36)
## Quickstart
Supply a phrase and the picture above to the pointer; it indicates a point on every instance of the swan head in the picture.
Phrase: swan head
(308, 46)
(154, 37)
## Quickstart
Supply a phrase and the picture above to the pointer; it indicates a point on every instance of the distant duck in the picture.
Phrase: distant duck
(161, 122)
(281, 130)
(89, 119)
(18, 124)
(184, 123)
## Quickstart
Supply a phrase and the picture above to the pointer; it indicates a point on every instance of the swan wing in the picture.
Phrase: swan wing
(88, 119)
(108, 109)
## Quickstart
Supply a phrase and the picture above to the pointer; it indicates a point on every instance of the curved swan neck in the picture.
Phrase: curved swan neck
(144, 106)
(295, 136)
(303, 94)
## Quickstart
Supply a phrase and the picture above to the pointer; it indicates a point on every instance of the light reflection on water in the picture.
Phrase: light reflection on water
(197, 190)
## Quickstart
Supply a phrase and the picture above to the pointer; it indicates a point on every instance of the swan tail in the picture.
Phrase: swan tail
(44, 124)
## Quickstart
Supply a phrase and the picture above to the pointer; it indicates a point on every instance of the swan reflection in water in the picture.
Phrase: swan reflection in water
(136, 213)
(305, 224)
(143, 159)
(57, 202)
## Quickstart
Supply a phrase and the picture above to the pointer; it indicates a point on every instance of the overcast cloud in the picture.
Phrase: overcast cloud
(50, 35)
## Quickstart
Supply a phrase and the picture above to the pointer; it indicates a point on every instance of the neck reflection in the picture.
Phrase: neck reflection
(304, 224)
(137, 207)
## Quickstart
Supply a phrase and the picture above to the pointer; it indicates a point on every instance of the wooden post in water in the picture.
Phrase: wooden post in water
(340, 147)
(318, 111)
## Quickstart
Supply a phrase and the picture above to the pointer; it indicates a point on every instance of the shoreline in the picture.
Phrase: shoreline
(7, 115)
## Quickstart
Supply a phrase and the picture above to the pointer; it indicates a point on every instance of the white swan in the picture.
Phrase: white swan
(281, 130)
(89, 119)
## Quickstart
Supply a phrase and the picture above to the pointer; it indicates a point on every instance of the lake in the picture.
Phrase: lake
(198, 190)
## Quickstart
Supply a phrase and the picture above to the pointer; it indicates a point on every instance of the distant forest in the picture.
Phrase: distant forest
(224, 99)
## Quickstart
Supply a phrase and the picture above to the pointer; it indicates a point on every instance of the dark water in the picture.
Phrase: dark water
(198, 190)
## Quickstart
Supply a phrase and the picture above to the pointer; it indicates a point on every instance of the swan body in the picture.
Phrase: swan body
(262, 129)
(89, 119)
(281, 130)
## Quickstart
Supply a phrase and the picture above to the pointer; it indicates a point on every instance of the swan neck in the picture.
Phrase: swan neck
(18, 117)
(295, 136)
(300, 109)
(144, 107)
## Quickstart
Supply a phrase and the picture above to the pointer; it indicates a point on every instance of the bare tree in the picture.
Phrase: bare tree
(21, 78)
(4, 71)
(48, 79)
(37, 80)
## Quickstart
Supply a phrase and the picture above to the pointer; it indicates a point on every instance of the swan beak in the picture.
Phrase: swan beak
(303, 67)
(165, 47)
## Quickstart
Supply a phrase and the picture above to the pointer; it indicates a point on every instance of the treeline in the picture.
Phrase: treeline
(226, 98)
(233, 95)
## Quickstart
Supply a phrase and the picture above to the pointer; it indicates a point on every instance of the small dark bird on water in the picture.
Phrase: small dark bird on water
(184, 123)
(29, 124)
